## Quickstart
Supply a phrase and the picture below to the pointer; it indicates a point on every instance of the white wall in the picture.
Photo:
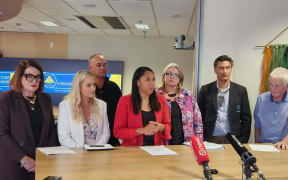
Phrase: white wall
(234, 27)
(155, 53)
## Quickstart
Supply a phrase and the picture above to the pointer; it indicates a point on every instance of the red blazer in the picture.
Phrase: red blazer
(126, 122)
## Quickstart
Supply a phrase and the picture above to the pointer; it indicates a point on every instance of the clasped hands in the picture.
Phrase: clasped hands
(151, 128)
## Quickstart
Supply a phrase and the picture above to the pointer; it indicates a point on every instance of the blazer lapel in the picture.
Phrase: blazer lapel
(24, 115)
(214, 96)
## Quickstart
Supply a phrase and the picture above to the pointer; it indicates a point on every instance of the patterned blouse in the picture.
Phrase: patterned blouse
(90, 130)
(191, 115)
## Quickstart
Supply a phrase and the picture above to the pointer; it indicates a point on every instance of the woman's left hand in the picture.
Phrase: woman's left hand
(160, 126)
(28, 163)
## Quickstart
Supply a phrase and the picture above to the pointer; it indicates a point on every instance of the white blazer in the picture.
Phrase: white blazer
(71, 133)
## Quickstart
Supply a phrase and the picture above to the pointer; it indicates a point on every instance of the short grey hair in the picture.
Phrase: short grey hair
(94, 55)
(280, 73)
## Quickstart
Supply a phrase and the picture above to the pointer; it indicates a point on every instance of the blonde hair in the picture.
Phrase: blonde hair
(75, 97)
(181, 76)
(280, 73)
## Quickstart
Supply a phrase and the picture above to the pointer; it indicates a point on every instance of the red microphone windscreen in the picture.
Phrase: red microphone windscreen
(199, 150)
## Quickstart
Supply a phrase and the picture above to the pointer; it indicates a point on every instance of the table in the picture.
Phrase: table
(134, 163)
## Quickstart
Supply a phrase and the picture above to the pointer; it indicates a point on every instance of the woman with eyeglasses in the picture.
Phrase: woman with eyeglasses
(142, 117)
(186, 120)
(26, 122)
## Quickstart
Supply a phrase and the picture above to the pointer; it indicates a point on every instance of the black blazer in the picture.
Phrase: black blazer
(239, 110)
(16, 135)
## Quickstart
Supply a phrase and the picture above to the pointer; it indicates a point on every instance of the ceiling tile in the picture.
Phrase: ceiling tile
(117, 32)
(42, 4)
(23, 25)
(101, 9)
(6, 27)
(173, 18)
(133, 12)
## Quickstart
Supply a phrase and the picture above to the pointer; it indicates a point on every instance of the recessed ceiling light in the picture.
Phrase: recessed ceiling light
(89, 5)
(48, 23)
(142, 26)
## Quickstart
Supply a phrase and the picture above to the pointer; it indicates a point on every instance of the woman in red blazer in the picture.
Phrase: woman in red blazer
(142, 117)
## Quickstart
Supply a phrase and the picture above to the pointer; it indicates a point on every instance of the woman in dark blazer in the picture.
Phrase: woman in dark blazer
(26, 122)
(142, 118)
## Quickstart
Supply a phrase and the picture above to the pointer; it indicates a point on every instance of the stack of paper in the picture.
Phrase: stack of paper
(55, 150)
(158, 150)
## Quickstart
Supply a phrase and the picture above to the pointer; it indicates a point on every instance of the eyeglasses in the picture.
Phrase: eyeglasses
(31, 77)
(172, 74)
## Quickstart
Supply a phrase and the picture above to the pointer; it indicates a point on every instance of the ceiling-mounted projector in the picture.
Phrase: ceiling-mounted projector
(180, 43)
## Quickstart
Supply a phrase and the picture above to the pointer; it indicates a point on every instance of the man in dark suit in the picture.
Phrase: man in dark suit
(106, 90)
(224, 106)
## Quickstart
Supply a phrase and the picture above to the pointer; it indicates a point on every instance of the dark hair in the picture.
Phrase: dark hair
(223, 58)
(136, 98)
(15, 82)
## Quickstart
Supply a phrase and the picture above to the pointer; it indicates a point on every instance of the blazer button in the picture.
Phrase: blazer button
(21, 143)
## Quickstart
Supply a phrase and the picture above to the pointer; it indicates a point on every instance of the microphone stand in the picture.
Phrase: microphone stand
(206, 171)
(250, 166)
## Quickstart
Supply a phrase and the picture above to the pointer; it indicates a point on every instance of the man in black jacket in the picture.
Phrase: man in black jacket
(224, 106)
(106, 90)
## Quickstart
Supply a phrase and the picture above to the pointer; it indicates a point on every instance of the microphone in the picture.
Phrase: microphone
(246, 156)
(201, 155)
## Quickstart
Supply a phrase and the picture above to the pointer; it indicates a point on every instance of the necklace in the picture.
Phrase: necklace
(31, 102)
(172, 95)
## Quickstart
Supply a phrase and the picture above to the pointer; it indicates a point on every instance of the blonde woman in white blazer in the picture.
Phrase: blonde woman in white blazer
(82, 118)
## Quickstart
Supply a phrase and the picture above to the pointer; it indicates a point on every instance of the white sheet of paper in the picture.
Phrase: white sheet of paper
(209, 146)
(262, 147)
(158, 150)
(56, 150)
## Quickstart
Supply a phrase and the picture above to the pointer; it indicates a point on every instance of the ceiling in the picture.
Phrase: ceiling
(164, 17)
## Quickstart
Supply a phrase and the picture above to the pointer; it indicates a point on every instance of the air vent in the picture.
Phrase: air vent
(114, 22)
(103, 22)
(84, 20)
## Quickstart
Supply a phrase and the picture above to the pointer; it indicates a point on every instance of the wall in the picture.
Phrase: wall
(134, 51)
(33, 45)
(234, 27)
(155, 53)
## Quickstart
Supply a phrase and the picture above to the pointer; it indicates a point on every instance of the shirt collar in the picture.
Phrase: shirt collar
(225, 90)
(282, 100)
(286, 97)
